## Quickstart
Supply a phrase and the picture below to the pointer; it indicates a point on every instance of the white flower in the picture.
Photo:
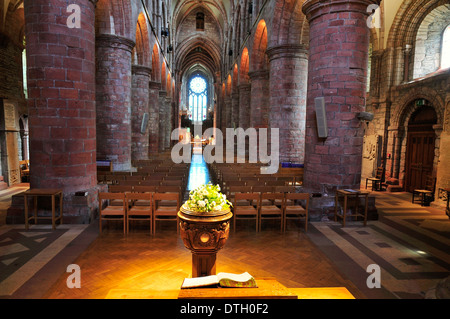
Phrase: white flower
(218, 207)
(201, 203)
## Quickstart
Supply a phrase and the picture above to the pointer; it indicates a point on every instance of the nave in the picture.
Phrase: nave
(409, 242)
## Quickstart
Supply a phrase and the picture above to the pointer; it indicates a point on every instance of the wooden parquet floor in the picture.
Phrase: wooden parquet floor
(156, 266)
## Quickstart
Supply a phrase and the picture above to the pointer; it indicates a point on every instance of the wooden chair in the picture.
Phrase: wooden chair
(139, 207)
(284, 190)
(375, 181)
(118, 189)
(271, 211)
(296, 210)
(165, 213)
(111, 212)
(247, 212)
(24, 170)
(425, 195)
(238, 189)
(261, 190)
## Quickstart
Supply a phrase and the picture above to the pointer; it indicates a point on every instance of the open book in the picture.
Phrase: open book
(222, 279)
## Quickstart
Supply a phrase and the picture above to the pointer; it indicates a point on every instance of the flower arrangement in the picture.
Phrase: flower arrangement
(207, 198)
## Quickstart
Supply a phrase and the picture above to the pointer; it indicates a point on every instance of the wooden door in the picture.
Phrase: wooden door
(419, 159)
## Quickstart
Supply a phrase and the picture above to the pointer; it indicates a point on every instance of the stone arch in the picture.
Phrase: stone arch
(169, 85)
(399, 127)
(259, 59)
(426, 57)
(163, 76)
(142, 41)
(114, 17)
(229, 84)
(243, 74)
(155, 64)
(235, 78)
(289, 24)
(403, 32)
(405, 109)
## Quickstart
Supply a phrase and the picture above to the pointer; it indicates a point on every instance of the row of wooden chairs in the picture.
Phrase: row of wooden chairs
(116, 177)
(266, 206)
(138, 206)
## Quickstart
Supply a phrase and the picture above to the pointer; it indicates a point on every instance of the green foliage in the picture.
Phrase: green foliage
(207, 198)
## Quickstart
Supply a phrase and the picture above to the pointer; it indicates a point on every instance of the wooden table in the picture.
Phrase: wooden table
(44, 192)
(267, 289)
(348, 193)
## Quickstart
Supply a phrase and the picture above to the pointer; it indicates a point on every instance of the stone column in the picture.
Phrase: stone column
(61, 104)
(140, 109)
(235, 109)
(228, 111)
(114, 100)
(259, 103)
(339, 45)
(288, 84)
(244, 105)
(162, 119)
(153, 122)
(168, 122)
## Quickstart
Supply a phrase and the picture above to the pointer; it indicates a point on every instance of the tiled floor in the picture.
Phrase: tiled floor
(410, 244)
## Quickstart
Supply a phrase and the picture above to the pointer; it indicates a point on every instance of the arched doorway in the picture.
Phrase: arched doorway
(420, 146)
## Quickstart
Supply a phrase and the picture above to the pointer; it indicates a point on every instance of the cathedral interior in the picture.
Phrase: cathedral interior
(97, 94)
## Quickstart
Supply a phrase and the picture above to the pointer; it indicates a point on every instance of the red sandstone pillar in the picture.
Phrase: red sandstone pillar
(339, 42)
(153, 122)
(288, 83)
(140, 107)
(61, 104)
(259, 103)
(244, 106)
(162, 119)
(168, 122)
(113, 95)
(235, 109)
(228, 112)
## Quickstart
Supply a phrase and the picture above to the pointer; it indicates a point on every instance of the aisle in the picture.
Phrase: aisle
(198, 173)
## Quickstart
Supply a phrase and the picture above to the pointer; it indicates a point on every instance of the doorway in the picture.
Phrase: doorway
(420, 147)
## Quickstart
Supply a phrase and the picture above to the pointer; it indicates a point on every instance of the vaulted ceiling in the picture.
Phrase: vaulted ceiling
(199, 48)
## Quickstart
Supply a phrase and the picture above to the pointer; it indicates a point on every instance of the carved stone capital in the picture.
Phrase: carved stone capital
(141, 70)
(316, 8)
(291, 51)
(115, 42)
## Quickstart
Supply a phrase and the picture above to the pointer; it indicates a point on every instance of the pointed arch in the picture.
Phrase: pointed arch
(155, 64)
(259, 58)
(114, 17)
(243, 74)
(142, 41)
(163, 76)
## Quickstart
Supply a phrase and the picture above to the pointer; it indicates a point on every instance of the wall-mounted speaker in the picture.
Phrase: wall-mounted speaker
(144, 123)
(321, 117)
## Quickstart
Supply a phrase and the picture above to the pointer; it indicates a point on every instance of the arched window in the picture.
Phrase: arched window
(200, 21)
(445, 52)
(198, 97)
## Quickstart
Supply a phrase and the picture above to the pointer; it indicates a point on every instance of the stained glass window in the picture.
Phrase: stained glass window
(198, 97)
